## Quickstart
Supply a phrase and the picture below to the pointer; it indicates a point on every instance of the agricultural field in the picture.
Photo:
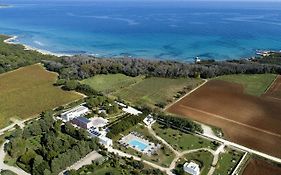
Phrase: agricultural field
(227, 162)
(261, 167)
(275, 89)
(111, 82)
(255, 84)
(151, 91)
(29, 91)
(181, 141)
(245, 119)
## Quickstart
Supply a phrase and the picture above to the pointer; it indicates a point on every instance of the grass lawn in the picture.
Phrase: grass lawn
(155, 90)
(164, 155)
(227, 162)
(29, 91)
(255, 84)
(181, 141)
(106, 169)
(111, 82)
(202, 158)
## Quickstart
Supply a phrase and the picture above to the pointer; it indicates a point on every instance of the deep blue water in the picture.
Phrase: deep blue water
(161, 30)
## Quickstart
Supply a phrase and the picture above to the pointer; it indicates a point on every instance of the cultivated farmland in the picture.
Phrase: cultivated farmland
(111, 82)
(255, 84)
(28, 91)
(156, 90)
(248, 120)
(275, 89)
(261, 167)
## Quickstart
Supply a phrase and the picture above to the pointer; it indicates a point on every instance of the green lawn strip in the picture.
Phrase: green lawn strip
(227, 162)
(182, 141)
(164, 155)
(254, 84)
(111, 82)
(202, 158)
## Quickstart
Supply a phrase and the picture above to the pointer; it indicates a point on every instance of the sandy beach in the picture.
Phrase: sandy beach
(12, 40)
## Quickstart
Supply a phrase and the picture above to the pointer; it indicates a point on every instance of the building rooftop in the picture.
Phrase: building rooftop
(83, 119)
(76, 109)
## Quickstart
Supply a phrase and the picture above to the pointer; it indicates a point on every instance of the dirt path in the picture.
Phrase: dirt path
(4, 166)
(87, 160)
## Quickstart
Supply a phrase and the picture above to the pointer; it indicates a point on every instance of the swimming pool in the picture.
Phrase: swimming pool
(138, 144)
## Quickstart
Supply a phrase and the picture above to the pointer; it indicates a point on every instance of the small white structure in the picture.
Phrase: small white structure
(105, 141)
(131, 110)
(99, 122)
(128, 109)
(197, 60)
(74, 112)
(191, 168)
(149, 120)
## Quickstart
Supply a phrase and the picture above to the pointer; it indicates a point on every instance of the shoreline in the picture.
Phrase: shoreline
(11, 40)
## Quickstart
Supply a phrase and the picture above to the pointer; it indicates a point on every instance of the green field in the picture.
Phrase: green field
(255, 84)
(155, 90)
(227, 162)
(29, 91)
(202, 158)
(110, 82)
(181, 141)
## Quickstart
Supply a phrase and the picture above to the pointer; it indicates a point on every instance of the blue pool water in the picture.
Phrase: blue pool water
(178, 30)
(138, 144)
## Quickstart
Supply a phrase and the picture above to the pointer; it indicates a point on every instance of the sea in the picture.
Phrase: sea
(156, 29)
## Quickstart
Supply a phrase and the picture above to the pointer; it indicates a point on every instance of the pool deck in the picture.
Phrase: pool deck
(137, 142)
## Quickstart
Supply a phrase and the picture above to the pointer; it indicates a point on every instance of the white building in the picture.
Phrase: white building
(191, 168)
(131, 110)
(149, 120)
(102, 138)
(74, 112)
(105, 141)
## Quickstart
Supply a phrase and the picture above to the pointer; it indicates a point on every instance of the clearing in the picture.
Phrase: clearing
(28, 91)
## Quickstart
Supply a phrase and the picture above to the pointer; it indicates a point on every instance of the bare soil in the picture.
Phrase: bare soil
(247, 120)
(275, 89)
(261, 167)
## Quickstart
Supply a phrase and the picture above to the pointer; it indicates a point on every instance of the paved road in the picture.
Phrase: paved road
(7, 167)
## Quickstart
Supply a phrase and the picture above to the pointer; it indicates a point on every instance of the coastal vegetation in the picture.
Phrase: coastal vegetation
(82, 67)
(254, 84)
(13, 56)
(29, 91)
(46, 146)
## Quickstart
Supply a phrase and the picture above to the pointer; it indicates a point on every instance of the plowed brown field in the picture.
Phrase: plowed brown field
(247, 120)
(260, 167)
(275, 90)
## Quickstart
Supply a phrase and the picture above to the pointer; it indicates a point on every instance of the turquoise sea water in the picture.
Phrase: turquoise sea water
(159, 30)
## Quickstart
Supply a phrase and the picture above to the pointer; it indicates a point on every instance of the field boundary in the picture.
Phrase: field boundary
(232, 121)
(190, 92)
(277, 76)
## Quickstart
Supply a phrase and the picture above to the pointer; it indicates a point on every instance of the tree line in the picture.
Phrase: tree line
(81, 67)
